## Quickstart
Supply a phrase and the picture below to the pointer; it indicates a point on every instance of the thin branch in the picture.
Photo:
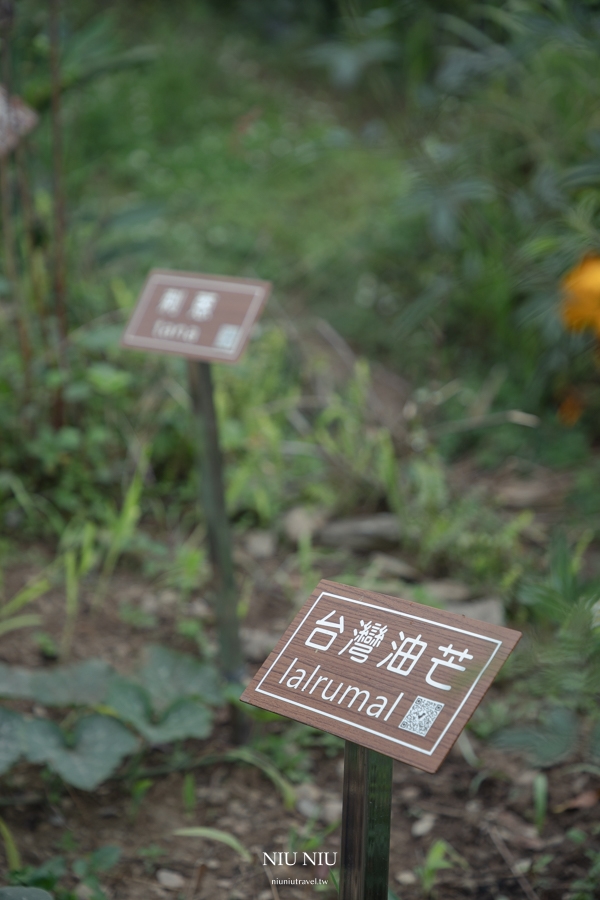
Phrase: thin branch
(10, 259)
(507, 856)
(57, 173)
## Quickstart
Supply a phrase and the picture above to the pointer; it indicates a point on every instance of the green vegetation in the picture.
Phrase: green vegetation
(421, 176)
(439, 856)
(50, 875)
(559, 665)
(437, 244)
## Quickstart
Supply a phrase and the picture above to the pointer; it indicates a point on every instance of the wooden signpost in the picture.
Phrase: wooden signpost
(205, 318)
(396, 680)
(16, 120)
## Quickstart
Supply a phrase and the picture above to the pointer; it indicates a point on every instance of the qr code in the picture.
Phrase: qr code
(421, 716)
(227, 336)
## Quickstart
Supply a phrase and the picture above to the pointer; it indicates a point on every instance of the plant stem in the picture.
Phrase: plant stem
(71, 602)
(57, 173)
(37, 291)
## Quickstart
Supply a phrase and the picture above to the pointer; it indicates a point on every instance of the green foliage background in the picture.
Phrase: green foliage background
(419, 175)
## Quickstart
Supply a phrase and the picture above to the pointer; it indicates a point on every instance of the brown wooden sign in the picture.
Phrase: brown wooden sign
(392, 675)
(203, 317)
(16, 120)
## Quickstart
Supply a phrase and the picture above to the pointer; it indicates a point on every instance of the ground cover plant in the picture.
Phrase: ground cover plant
(416, 414)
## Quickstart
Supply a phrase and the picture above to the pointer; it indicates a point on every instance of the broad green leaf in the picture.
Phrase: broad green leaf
(16, 682)
(106, 379)
(11, 741)
(45, 876)
(104, 858)
(129, 702)
(185, 718)
(100, 338)
(169, 676)
(84, 683)
(547, 743)
(24, 893)
(42, 740)
(99, 745)
(595, 742)
(213, 834)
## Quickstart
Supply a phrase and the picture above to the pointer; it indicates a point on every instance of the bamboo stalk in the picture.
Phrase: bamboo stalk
(8, 240)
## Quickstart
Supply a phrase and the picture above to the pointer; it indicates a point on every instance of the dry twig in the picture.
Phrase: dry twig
(508, 858)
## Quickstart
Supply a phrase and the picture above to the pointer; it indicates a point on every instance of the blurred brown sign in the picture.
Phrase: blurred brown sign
(390, 674)
(16, 120)
(204, 317)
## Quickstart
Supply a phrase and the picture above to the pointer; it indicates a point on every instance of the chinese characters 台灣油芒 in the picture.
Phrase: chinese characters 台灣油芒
(325, 626)
(364, 641)
(449, 663)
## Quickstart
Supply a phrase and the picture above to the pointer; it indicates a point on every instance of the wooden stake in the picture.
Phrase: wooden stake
(219, 535)
(366, 814)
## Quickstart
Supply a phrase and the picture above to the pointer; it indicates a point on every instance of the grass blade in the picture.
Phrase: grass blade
(26, 595)
(13, 857)
(19, 622)
(213, 834)
(244, 754)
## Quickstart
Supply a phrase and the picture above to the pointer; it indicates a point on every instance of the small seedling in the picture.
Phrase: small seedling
(13, 857)
(188, 793)
(46, 876)
(32, 591)
(46, 645)
(76, 566)
(138, 792)
(309, 575)
(586, 888)
(439, 856)
(150, 856)
(89, 867)
(68, 842)
(307, 841)
(540, 800)
(194, 630)
(190, 568)
(541, 864)
(123, 526)
(138, 618)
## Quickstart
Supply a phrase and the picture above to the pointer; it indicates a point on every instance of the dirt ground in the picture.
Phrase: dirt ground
(490, 827)
(484, 812)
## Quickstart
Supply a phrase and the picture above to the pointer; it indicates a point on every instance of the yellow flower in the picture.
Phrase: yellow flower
(570, 410)
(580, 308)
